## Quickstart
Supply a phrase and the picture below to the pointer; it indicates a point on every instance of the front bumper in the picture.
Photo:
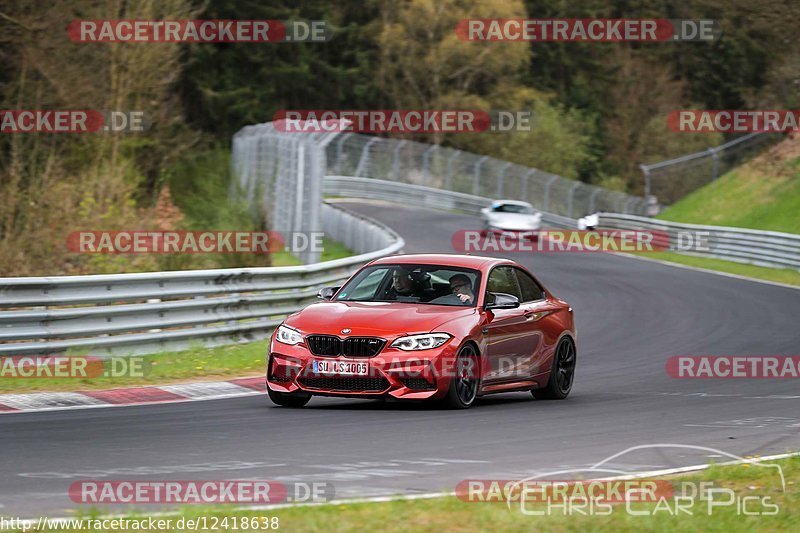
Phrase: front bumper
(414, 375)
(518, 234)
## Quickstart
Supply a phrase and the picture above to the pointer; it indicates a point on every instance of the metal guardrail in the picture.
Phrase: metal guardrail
(419, 195)
(150, 312)
(763, 248)
(154, 311)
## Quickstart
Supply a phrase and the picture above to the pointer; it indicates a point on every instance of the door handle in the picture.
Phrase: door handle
(534, 315)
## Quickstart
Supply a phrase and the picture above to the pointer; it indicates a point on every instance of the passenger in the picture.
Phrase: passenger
(461, 286)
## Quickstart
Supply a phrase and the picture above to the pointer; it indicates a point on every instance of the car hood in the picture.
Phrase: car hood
(520, 221)
(382, 319)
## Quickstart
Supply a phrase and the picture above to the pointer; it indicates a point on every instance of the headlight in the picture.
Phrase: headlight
(288, 336)
(425, 341)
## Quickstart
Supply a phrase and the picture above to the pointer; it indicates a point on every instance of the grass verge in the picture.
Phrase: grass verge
(197, 364)
(331, 250)
(762, 194)
(778, 275)
(451, 514)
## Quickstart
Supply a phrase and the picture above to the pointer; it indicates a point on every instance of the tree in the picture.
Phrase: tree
(226, 86)
(425, 65)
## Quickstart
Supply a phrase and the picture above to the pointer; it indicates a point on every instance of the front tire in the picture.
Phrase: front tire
(562, 373)
(288, 399)
(464, 385)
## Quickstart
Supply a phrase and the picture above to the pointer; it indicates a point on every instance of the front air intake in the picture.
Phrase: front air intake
(332, 346)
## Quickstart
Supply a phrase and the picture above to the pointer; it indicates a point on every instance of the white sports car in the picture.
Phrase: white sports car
(511, 217)
(589, 222)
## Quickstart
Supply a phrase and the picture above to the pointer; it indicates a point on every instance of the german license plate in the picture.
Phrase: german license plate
(347, 368)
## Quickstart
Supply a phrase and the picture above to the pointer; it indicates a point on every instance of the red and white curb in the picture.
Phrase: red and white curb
(90, 399)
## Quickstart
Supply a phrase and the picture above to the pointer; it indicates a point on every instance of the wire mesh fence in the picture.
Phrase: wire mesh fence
(281, 175)
(673, 179)
(440, 167)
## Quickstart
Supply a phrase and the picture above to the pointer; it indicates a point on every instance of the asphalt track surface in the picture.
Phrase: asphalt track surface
(631, 315)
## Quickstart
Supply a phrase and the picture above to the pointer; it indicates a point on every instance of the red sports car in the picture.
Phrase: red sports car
(419, 327)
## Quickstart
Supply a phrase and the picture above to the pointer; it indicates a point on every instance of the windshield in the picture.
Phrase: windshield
(414, 284)
(513, 208)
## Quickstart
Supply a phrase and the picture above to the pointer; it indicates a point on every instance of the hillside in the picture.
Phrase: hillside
(764, 194)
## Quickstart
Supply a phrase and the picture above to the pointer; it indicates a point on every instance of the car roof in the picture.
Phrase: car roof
(477, 262)
(512, 202)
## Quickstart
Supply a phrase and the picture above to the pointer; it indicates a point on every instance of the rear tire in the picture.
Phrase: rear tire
(562, 373)
(464, 385)
(288, 399)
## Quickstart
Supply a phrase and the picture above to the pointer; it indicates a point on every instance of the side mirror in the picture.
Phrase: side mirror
(502, 301)
(326, 293)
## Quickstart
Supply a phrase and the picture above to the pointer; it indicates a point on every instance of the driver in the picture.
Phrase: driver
(402, 284)
(461, 286)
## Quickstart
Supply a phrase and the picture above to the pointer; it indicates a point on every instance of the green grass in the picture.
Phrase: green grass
(762, 194)
(206, 364)
(758, 195)
(331, 250)
(778, 275)
(449, 514)
(200, 185)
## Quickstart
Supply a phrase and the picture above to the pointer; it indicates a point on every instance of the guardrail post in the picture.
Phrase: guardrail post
(646, 173)
(592, 200)
(619, 205)
(715, 164)
(339, 154)
(449, 182)
(501, 180)
(528, 176)
(396, 159)
(547, 192)
(571, 195)
(476, 183)
(426, 158)
(364, 160)
(640, 207)
(299, 184)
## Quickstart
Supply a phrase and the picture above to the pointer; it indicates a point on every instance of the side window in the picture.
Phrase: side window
(531, 291)
(502, 279)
